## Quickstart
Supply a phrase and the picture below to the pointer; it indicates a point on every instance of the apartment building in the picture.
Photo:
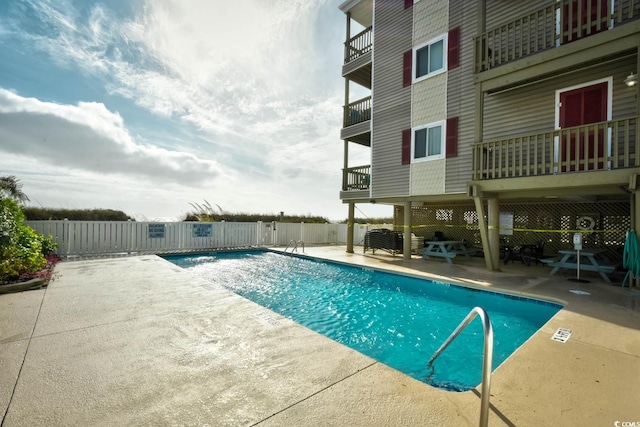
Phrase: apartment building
(495, 121)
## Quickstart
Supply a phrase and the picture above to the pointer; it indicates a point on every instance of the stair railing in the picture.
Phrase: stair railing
(487, 357)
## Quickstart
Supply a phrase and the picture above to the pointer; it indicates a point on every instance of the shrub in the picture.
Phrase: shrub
(48, 245)
(35, 213)
(21, 248)
(10, 217)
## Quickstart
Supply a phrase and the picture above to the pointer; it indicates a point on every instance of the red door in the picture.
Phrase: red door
(583, 149)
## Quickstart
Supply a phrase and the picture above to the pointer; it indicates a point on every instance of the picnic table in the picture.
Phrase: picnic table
(590, 260)
(447, 249)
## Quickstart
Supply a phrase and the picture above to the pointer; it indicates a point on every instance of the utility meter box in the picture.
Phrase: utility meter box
(577, 241)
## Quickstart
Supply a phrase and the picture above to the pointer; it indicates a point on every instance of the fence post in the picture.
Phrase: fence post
(65, 225)
(302, 231)
(130, 233)
(258, 230)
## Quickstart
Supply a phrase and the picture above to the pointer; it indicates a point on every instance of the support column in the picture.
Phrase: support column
(345, 113)
(482, 225)
(406, 231)
(494, 231)
(635, 222)
(637, 86)
(348, 37)
(350, 228)
(345, 168)
(481, 8)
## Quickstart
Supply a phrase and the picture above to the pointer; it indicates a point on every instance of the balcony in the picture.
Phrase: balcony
(356, 181)
(600, 146)
(357, 58)
(357, 122)
(559, 23)
(358, 45)
(357, 112)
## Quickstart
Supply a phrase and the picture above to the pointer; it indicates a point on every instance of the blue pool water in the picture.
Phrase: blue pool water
(398, 320)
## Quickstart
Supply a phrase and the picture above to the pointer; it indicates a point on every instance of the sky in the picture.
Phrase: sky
(148, 106)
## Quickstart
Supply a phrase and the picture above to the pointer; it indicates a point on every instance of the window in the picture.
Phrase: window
(428, 141)
(430, 59)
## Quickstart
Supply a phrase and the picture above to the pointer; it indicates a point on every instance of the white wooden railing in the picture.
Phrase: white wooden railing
(81, 238)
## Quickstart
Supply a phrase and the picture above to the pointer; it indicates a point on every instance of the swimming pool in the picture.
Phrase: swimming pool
(398, 320)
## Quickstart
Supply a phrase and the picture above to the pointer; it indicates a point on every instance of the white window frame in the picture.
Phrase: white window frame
(443, 125)
(414, 67)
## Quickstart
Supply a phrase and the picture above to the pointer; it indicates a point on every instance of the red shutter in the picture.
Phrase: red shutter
(408, 4)
(452, 137)
(407, 64)
(406, 146)
(453, 54)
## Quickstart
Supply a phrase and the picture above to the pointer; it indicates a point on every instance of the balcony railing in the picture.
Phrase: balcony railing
(356, 178)
(357, 112)
(560, 22)
(358, 45)
(597, 146)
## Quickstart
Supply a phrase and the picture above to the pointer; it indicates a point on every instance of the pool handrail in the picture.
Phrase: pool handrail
(487, 357)
(295, 245)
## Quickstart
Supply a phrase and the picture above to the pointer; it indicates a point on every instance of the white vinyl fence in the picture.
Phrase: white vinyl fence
(111, 237)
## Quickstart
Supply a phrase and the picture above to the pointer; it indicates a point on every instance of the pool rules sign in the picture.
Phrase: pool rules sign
(562, 335)
(202, 230)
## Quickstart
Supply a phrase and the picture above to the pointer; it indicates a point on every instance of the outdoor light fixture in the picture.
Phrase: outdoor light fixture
(631, 80)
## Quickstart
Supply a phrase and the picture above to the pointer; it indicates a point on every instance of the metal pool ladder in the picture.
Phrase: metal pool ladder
(295, 246)
(486, 358)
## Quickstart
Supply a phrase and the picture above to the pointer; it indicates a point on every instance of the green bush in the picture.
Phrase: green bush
(10, 217)
(44, 214)
(21, 248)
(48, 245)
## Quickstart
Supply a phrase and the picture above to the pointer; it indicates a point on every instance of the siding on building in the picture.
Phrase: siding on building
(430, 20)
(355, 130)
(356, 64)
(427, 178)
(461, 97)
(391, 102)
(429, 96)
(429, 100)
(531, 109)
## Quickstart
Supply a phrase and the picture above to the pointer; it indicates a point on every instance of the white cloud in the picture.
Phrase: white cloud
(216, 65)
(88, 136)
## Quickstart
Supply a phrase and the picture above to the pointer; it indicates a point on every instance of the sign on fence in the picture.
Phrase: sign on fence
(156, 231)
(202, 230)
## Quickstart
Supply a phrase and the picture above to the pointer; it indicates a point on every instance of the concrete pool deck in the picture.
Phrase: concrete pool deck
(138, 341)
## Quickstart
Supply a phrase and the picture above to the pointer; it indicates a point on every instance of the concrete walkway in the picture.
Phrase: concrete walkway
(138, 341)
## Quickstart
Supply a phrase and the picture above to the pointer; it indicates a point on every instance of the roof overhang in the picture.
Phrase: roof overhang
(361, 11)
